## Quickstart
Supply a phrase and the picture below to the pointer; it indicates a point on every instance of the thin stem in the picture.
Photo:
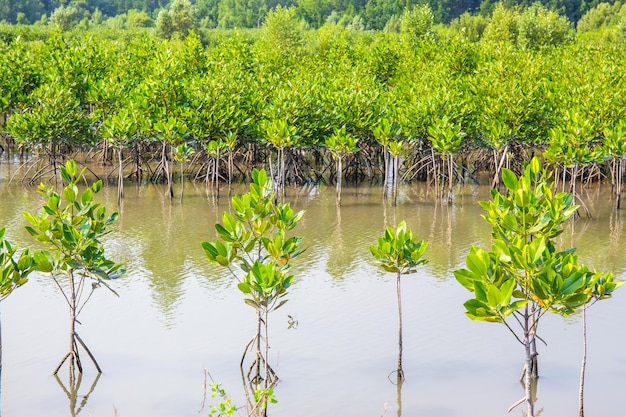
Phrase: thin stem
(399, 296)
(583, 365)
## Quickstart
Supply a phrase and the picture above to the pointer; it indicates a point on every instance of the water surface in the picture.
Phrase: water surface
(178, 316)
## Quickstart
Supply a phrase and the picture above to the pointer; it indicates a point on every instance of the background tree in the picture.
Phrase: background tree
(341, 144)
(417, 25)
(178, 19)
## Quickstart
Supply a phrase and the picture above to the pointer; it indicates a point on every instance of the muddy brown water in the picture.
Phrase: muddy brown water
(178, 316)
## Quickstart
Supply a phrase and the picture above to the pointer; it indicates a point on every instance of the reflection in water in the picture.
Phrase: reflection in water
(184, 305)
(534, 383)
(72, 389)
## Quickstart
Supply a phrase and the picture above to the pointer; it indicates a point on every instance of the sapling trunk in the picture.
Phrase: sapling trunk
(385, 181)
(73, 347)
(120, 177)
(216, 174)
(339, 177)
(230, 170)
(182, 181)
(449, 179)
(498, 166)
(166, 168)
(399, 398)
(396, 171)
(528, 375)
(399, 296)
(583, 365)
(258, 346)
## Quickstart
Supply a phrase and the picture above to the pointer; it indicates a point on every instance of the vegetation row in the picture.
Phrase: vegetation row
(422, 103)
(229, 14)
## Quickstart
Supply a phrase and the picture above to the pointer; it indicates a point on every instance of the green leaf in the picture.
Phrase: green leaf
(244, 288)
(478, 261)
(96, 186)
(87, 197)
(572, 284)
(509, 179)
(70, 192)
(44, 261)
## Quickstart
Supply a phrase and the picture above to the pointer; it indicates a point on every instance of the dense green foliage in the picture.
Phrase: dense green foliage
(371, 14)
(482, 94)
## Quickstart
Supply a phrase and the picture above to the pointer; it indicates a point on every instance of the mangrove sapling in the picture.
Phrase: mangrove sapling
(169, 132)
(400, 252)
(603, 285)
(523, 276)
(280, 135)
(385, 133)
(446, 139)
(341, 144)
(214, 149)
(71, 224)
(396, 148)
(14, 271)
(255, 236)
(121, 130)
(182, 153)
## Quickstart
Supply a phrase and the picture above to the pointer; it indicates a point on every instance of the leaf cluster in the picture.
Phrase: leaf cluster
(71, 224)
(524, 275)
(255, 236)
(14, 269)
(399, 251)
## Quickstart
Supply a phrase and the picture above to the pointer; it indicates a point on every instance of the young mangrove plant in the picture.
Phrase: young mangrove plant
(446, 139)
(341, 144)
(182, 153)
(400, 252)
(71, 224)
(524, 276)
(253, 244)
(280, 135)
(386, 133)
(603, 285)
(14, 271)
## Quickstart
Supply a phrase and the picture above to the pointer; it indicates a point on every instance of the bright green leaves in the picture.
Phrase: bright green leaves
(510, 179)
(221, 253)
(341, 143)
(182, 152)
(492, 302)
(399, 250)
(281, 134)
(13, 272)
(255, 236)
(524, 274)
(529, 209)
(446, 137)
(71, 224)
(265, 286)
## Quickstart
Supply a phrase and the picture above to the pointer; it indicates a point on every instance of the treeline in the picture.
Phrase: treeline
(411, 105)
(228, 14)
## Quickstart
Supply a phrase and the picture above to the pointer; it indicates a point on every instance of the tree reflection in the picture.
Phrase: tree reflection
(72, 389)
(534, 383)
